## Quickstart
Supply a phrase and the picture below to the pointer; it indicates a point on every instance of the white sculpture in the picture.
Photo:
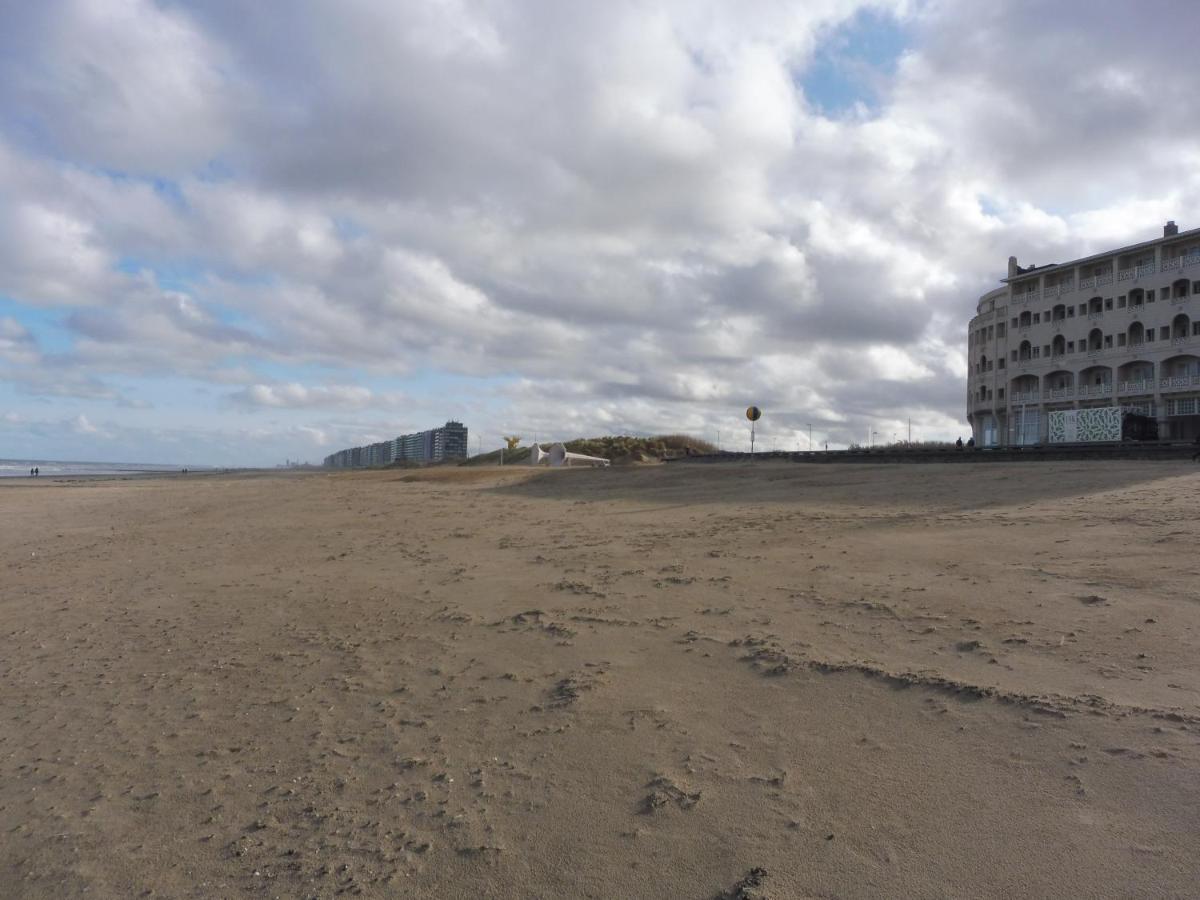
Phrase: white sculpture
(560, 456)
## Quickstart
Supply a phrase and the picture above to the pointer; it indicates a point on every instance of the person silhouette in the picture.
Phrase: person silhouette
(958, 444)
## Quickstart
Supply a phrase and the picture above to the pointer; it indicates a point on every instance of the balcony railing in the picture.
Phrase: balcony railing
(1096, 390)
(1060, 393)
(1177, 301)
(1106, 278)
(1135, 387)
(1143, 271)
(1180, 339)
(1179, 383)
(1024, 397)
(1180, 262)
(1025, 296)
(1125, 274)
(1087, 282)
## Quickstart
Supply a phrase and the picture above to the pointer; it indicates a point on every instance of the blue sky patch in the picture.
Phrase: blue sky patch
(853, 63)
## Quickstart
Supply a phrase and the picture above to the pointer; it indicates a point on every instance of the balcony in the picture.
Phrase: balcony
(1179, 383)
(1085, 283)
(1104, 279)
(1060, 394)
(1096, 390)
(1135, 387)
(1125, 275)
(1143, 271)
(1026, 296)
(1180, 262)
(1024, 397)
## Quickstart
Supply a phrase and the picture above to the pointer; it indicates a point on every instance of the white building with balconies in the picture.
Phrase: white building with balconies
(1120, 328)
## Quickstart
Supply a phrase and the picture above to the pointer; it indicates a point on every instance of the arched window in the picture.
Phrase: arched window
(1181, 327)
(1058, 346)
(1137, 334)
(1095, 339)
(1025, 351)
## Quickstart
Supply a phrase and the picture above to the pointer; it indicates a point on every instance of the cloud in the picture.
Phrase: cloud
(620, 217)
(297, 396)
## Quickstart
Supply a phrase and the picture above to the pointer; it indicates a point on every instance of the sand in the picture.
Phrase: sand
(736, 681)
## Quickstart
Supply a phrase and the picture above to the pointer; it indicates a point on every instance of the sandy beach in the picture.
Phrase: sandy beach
(737, 681)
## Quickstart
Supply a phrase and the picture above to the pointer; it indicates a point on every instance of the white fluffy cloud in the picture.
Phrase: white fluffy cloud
(606, 217)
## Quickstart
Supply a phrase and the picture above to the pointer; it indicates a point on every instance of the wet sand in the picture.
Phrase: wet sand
(736, 681)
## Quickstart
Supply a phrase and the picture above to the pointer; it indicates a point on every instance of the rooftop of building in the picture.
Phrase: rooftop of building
(1131, 248)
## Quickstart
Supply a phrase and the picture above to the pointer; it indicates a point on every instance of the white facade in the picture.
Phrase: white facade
(1120, 328)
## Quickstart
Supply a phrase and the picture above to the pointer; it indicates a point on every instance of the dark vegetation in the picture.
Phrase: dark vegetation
(617, 448)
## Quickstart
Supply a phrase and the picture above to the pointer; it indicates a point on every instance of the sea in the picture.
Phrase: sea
(55, 468)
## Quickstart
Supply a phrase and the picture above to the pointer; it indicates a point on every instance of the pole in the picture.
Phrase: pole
(752, 438)
(810, 436)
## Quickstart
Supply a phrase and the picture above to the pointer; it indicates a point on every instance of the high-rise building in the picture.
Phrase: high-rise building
(1118, 329)
(436, 445)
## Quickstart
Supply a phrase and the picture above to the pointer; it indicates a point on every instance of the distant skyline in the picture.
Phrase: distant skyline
(231, 236)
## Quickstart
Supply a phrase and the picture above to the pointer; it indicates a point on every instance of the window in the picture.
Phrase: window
(1121, 302)
(1037, 317)
(1196, 329)
(991, 332)
(1150, 335)
(1000, 363)
(1120, 340)
(1150, 295)
(1014, 356)
(1070, 312)
(1036, 351)
(1108, 303)
(1000, 393)
(1164, 333)
(1070, 346)
(1015, 322)
(1083, 309)
(1000, 327)
(1196, 287)
(1108, 340)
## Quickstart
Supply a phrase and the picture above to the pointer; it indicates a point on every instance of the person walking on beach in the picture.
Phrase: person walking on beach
(37, 471)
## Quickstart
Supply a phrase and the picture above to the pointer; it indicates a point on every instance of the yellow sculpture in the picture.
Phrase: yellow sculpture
(513, 441)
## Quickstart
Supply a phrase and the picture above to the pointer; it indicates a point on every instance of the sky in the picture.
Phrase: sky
(233, 234)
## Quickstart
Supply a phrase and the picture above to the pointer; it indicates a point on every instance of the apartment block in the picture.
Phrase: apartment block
(1115, 329)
